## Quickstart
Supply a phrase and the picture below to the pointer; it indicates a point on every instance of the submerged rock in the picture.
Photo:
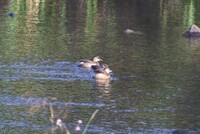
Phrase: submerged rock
(193, 31)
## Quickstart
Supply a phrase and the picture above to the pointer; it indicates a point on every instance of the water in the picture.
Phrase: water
(156, 71)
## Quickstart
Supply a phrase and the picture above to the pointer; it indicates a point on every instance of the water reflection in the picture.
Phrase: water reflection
(194, 42)
(103, 84)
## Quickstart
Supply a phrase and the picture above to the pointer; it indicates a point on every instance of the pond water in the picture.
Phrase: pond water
(156, 71)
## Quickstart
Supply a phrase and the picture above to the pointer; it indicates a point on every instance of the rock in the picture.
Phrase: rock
(193, 31)
(129, 31)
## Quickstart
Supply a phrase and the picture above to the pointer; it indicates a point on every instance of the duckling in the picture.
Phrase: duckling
(88, 63)
(102, 73)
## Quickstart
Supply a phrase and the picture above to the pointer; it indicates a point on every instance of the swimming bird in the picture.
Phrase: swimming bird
(88, 63)
(102, 72)
(101, 66)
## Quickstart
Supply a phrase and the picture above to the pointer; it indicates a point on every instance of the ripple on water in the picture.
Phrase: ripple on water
(12, 102)
(58, 71)
(22, 101)
(61, 71)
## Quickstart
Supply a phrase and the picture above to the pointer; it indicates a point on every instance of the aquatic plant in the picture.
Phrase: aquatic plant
(60, 126)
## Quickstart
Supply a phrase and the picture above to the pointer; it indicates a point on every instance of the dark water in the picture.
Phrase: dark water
(156, 72)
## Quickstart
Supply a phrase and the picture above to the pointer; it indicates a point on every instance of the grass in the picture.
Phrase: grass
(60, 126)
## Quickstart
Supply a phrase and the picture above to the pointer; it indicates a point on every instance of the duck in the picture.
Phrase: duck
(101, 66)
(89, 63)
(102, 72)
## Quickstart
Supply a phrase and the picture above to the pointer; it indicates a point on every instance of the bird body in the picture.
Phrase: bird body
(88, 63)
(102, 71)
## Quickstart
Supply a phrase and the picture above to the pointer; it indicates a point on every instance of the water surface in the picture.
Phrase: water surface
(156, 71)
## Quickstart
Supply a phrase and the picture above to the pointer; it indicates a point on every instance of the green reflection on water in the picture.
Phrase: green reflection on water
(33, 33)
(190, 14)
